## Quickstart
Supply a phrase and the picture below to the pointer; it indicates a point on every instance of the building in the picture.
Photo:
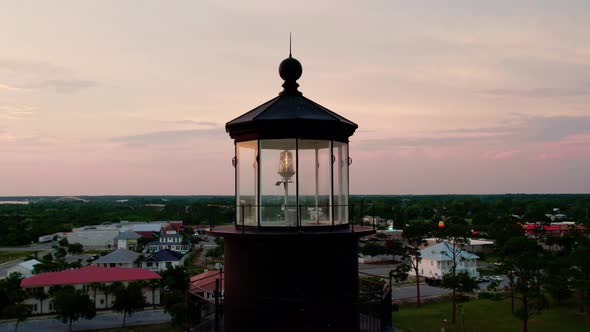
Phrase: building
(119, 258)
(287, 269)
(127, 240)
(25, 268)
(477, 246)
(83, 279)
(163, 260)
(103, 236)
(99, 236)
(436, 261)
(205, 284)
(554, 228)
(170, 240)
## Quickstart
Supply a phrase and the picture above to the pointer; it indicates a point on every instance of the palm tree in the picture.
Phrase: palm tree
(95, 286)
(137, 262)
(106, 289)
(154, 284)
(40, 295)
(111, 289)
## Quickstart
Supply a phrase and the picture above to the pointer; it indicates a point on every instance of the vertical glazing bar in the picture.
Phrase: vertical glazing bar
(259, 188)
(332, 181)
(236, 174)
(317, 187)
(298, 221)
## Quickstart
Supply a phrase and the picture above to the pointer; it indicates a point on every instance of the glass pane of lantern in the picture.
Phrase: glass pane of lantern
(278, 194)
(314, 182)
(246, 182)
(340, 182)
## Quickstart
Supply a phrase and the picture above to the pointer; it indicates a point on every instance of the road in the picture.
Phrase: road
(101, 321)
(35, 247)
(376, 269)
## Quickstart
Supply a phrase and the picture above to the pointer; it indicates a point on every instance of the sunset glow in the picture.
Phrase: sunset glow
(131, 97)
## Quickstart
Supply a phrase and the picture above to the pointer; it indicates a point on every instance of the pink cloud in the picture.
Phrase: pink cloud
(501, 155)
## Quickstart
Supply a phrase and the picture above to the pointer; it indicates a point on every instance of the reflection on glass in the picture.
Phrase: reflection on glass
(246, 182)
(278, 196)
(314, 182)
(340, 182)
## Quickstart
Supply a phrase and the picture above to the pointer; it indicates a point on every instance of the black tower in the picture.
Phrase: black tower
(291, 258)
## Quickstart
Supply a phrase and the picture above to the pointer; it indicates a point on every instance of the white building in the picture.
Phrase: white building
(85, 279)
(127, 240)
(118, 258)
(436, 261)
(99, 236)
(103, 235)
(163, 260)
(168, 240)
(24, 268)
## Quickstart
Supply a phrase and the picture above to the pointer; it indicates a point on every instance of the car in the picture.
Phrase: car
(497, 278)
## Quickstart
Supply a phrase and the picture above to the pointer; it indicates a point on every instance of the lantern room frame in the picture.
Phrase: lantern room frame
(274, 171)
(315, 195)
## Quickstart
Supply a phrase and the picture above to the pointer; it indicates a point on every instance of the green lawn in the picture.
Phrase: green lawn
(7, 256)
(487, 316)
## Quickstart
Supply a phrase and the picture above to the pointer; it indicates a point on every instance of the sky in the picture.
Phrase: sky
(451, 97)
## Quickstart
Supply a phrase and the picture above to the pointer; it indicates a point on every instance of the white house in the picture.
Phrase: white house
(118, 258)
(162, 260)
(436, 261)
(24, 268)
(168, 240)
(127, 240)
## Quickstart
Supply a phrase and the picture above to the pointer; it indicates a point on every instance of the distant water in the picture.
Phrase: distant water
(14, 202)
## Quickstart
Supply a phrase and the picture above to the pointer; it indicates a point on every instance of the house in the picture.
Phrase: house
(170, 240)
(162, 260)
(436, 261)
(127, 240)
(118, 258)
(24, 268)
(477, 246)
(203, 285)
(85, 279)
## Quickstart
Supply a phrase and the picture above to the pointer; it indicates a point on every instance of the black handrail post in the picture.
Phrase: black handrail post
(351, 208)
(373, 212)
(211, 216)
(361, 214)
(298, 217)
(242, 215)
(217, 306)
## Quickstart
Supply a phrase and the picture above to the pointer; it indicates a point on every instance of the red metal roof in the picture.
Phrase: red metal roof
(206, 281)
(146, 234)
(88, 274)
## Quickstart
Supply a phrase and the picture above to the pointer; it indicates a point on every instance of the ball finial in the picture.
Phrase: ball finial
(290, 69)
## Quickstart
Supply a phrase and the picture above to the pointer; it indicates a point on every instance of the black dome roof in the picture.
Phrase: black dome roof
(290, 115)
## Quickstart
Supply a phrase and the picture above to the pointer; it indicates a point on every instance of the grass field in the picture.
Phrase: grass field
(7, 256)
(487, 316)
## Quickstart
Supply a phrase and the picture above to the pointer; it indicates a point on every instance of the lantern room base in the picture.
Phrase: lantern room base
(293, 282)
(256, 231)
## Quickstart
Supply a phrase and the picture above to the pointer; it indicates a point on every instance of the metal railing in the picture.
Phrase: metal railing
(292, 217)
